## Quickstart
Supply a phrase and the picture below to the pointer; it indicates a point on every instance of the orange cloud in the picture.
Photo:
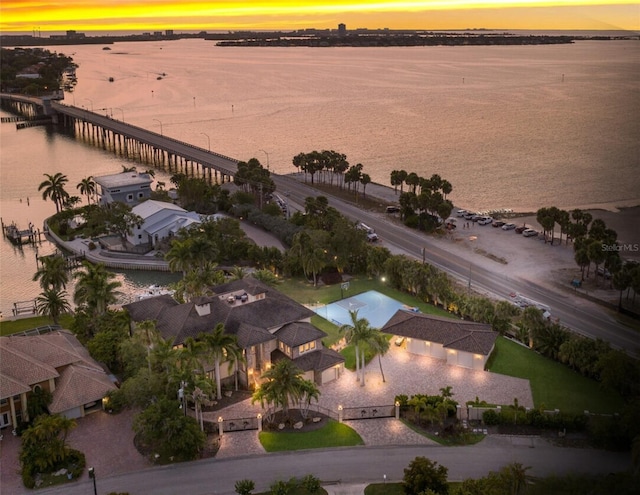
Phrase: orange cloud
(25, 15)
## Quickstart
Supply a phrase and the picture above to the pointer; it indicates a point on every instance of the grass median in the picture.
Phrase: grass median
(333, 434)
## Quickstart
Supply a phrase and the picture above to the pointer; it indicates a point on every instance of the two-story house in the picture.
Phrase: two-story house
(160, 221)
(268, 325)
(127, 187)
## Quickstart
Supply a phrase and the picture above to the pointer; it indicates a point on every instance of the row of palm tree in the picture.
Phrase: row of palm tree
(53, 188)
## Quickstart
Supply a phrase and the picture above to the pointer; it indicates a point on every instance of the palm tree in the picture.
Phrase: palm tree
(147, 334)
(52, 303)
(308, 392)
(95, 287)
(220, 345)
(283, 384)
(179, 256)
(53, 188)
(52, 272)
(87, 186)
(380, 344)
(358, 332)
(314, 262)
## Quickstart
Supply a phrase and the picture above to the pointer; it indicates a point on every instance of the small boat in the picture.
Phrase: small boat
(111, 79)
(153, 291)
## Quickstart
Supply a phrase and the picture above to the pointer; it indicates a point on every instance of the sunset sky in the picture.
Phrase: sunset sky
(138, 15)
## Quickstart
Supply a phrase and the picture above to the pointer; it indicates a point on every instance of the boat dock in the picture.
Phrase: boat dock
(20, 236)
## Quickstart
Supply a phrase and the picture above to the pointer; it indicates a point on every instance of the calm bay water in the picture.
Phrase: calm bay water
(510, 127)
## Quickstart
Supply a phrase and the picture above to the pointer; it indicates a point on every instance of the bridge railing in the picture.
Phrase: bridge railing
(162, 136)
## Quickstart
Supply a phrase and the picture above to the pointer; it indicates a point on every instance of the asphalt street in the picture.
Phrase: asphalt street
(352, 466)
(587, 319)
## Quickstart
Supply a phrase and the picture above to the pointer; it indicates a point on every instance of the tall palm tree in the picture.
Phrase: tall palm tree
(52, 272)
(147, 334)
(220, 345)
(87, 186)
(380, 344)
(358, 332)
(95, 288)
(52, 303)
(53, 188)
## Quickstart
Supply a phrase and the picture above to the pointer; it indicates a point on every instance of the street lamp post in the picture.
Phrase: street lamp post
(118, 108)
(208, 140)
(90, 101)
(161, 133)
(267, 158)
(92, 475)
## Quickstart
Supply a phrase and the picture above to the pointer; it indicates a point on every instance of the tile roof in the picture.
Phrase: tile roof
(298, 333)
(180, 321)
(28, 360)
(477, 338)
(319, 360)
(79, 385)
(249, 335)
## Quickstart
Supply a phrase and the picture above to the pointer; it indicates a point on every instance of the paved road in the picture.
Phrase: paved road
(351, 466)
(588, 320)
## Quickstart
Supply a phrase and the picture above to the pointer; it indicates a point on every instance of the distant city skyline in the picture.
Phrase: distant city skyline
(200, 15)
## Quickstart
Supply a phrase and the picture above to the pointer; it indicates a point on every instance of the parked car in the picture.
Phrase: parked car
(475, 218)
(372, 237)
(461, 213)
(485, 220)
(468, 215)
(603, 272)
(529, 232)
(521, 229)
(498, 224)
(509, 226)
(393, 209)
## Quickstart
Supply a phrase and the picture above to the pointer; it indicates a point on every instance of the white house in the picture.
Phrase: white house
(459, 343)
(127, 187)
(161, 220)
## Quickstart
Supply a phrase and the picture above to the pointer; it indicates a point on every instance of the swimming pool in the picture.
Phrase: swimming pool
(372, 305)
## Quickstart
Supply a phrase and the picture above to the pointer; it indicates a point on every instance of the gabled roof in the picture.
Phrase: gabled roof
(298, 333)
(477, 338)
(319, 360)
(151, 207)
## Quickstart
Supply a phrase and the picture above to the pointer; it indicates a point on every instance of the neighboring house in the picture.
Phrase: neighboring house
(56, 362)
(127, 187)
(461, 343)
(161, 220)
(268, 325)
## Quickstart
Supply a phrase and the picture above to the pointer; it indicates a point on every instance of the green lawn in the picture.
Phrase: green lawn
(333, 434)
(553, 384)
(8, 327)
